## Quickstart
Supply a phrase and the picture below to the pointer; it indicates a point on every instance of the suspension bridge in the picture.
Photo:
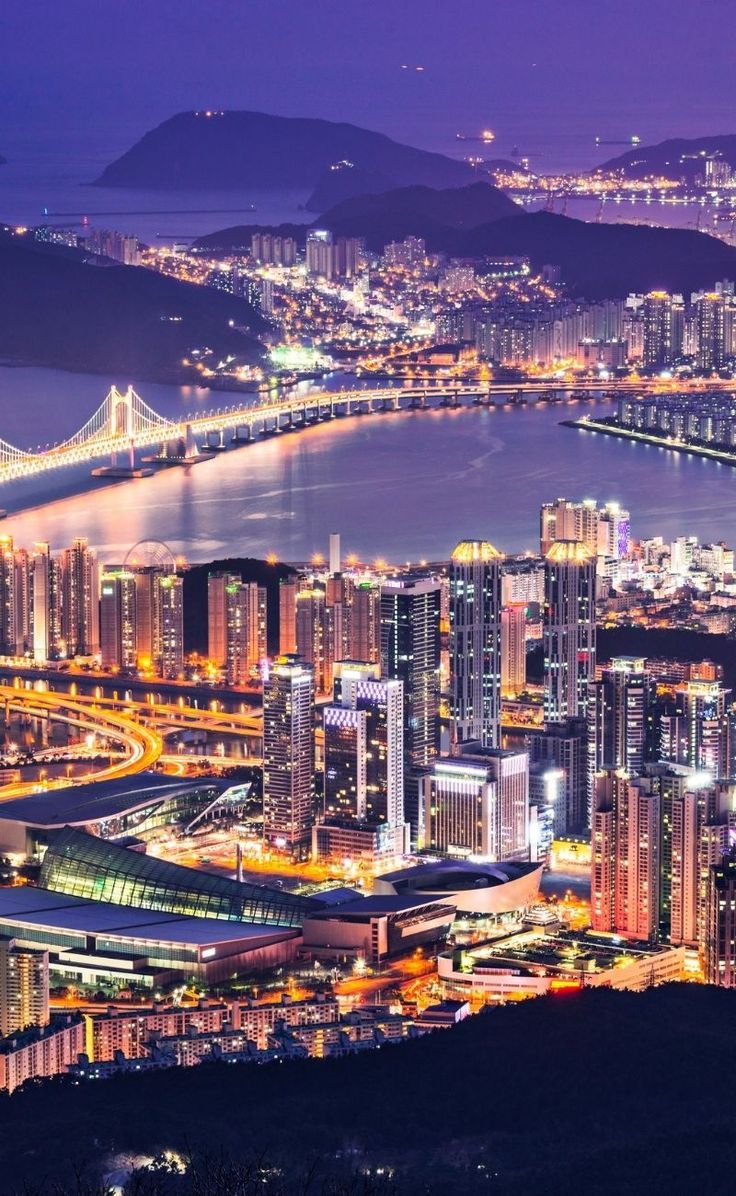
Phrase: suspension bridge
(125, 423)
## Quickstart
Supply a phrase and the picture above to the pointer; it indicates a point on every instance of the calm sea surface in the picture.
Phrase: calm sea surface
(48, 181)
(403, 486)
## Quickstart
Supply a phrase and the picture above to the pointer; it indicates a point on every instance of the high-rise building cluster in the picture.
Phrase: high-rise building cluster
(237, 625)
(120, 247)
(270, 249)
(332, 257)
(388, 780)
(703, 329)
(61, 605)
(654, 331)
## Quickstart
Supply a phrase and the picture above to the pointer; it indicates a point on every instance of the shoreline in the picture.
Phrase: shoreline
(720, 456)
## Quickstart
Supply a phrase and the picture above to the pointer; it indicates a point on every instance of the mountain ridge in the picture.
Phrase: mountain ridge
(62, 312)
(675, 157)
(596, 260)
(243, 148)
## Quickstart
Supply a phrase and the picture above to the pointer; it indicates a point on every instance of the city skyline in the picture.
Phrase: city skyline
(367, 597)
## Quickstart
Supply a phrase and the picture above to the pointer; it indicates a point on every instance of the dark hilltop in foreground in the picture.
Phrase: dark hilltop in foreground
(257, 150)
(62, 311)
(478, 220)
(615, 1091)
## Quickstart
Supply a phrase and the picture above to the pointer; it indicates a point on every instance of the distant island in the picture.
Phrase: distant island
(256, 150)
(60, 310)
(615, 1091)
(478, 220)
(677, 158)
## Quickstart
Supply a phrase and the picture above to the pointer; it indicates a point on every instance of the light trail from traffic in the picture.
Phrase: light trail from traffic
(143, 745)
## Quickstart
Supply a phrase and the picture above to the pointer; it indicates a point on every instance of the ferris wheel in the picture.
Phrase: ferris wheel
(151, 555)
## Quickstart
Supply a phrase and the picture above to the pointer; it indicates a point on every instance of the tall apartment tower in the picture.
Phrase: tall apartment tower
(720, 924)
(288, 754)
(513, 649)
(475, 643)
(80, 599)
(410, 652)
(338, 619)
(7, 597)
(23, 625)
(566, 520)
(345, 763)
(625, 867)
(237, 620)
(169, 645)
(24, 987)
(359, 687)
(711, 353)
(365, 623)
(217, 584)
(568, 630)
(697, 731)
(658, 329)
(118, 620)
(288, 589)
(620, 718)
(312, 638)
(46, 604)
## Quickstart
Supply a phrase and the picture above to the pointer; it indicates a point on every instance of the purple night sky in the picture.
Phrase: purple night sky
(537, 71)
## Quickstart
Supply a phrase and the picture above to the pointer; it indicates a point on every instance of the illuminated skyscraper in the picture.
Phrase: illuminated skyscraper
(565, 520)
(365, 622)
(720, 925)
(169, 646)
(513, 649)
(475, 642)
(320, 253)
(477, 803)
(288, 754)
(312, 636)
(345, 755)
(359, 687)
(711, 332)
(7, 597)
(237, 657)
(217, 584)
(23, 629)
(696, 731)
(658, 330)
(80, 599)
(614, 531)
(410, 652)
(620, 719)
(118, 621)
(24, 987)
(625, 856)
(288, 588)
(569, 630)
(338, 618)
(46, 604)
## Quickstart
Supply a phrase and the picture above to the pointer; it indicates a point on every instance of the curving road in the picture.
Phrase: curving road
(143, 745)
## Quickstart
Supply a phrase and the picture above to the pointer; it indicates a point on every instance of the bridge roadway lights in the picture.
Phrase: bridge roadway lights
(124, 421)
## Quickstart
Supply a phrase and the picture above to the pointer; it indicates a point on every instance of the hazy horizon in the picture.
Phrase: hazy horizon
(88, 77)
